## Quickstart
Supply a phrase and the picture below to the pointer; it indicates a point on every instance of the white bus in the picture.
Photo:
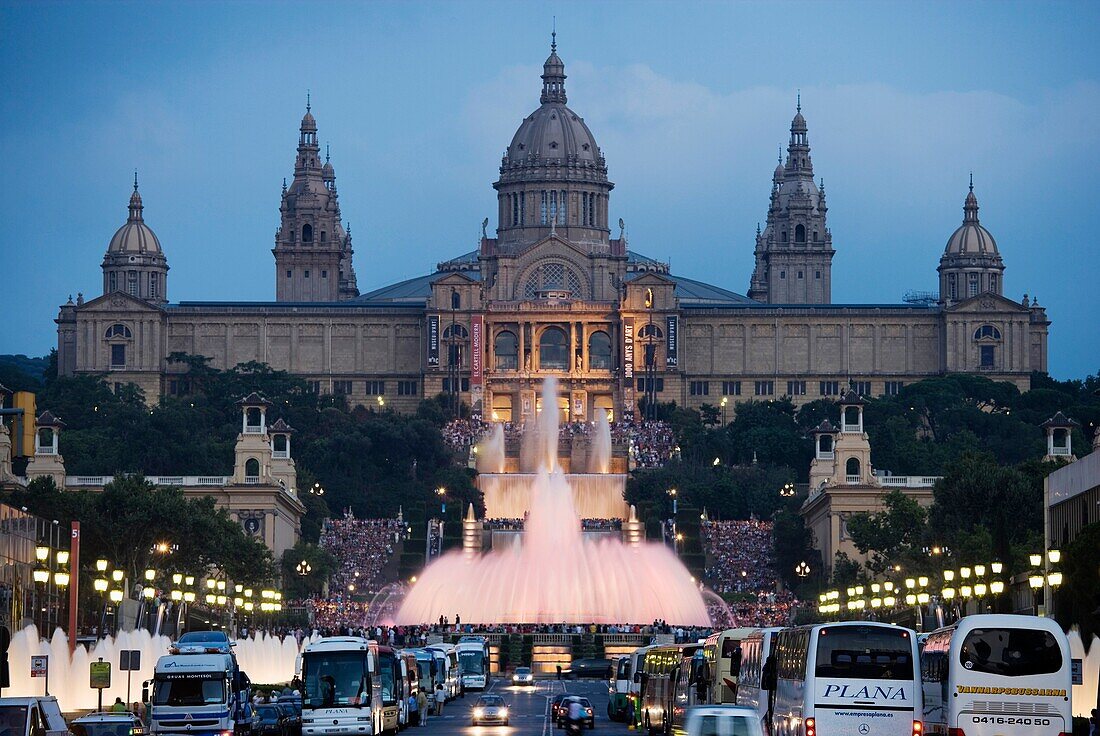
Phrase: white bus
(755, 650)
(723, 654)
(446, 662)
(854, 678)
(997, 674)
(342, 688)
(473, 662)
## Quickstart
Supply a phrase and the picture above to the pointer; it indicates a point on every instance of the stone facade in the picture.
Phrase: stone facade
(554, 293)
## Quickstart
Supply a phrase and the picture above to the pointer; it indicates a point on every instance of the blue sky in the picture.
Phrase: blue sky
(689, 103)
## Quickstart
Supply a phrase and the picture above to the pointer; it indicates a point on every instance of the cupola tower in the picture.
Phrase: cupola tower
(134, 262)
(971, 264)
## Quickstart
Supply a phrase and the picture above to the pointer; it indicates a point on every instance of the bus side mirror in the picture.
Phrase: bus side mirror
(145, 692)
(637, 677)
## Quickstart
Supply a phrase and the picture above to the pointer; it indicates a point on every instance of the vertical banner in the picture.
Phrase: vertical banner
(628, 367)
(477, 357)
(433, 341)
(670, 347)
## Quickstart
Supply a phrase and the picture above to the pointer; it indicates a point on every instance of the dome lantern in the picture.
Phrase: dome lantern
(134, 262)
(971, 263)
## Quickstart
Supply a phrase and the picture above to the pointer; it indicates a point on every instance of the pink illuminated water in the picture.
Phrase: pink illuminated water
(554, 574)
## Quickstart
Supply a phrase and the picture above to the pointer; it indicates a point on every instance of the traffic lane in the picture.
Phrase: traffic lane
(528, 709)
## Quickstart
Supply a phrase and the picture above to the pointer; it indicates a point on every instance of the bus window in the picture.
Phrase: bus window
(864, 652)
(1011, 652)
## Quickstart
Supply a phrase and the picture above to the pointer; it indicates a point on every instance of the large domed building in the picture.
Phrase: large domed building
(556, 290)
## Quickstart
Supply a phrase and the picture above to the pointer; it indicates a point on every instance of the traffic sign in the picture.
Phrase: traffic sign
(129, 659)
(40, 665)
(100, 675)
(1077, 671)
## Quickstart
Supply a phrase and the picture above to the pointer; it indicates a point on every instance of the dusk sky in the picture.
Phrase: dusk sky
(689, 102)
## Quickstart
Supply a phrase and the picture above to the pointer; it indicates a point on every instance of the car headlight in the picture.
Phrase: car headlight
(478, 712)
(504, 712)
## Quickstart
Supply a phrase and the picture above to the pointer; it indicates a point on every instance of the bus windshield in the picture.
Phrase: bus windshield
(471, 663)
(193, 689)
(864, 652)
(623, 670)
(335, 679)
(1011, 652)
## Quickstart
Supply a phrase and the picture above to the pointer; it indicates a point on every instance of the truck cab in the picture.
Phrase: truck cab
(199, 691)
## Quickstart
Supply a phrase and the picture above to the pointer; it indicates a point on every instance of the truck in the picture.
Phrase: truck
(198, 690)
(33, 716)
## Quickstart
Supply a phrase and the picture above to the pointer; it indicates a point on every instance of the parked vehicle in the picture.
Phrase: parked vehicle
(271, 720)
(31, 717)
(107, 723)
(580, 668)
(473, 662)
(292, 704)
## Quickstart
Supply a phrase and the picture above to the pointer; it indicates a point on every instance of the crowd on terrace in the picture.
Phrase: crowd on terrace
(740, 567)
(361, 548)
(651, 443)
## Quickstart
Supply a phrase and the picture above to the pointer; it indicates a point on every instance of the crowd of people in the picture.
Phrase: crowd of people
(602, 525)
(650, 443)
(740, 556)
(361, 548)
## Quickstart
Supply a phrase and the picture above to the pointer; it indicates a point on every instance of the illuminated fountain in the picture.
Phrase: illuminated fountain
(553, 574)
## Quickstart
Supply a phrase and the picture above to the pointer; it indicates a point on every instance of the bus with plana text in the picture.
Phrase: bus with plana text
(857, 678)
(343, 682)
(998, 675)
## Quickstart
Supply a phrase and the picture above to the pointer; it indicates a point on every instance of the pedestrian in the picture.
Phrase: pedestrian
(440, 698)
(118, 706)
(559, 671)
(1094, 723)
(422, 706)
(139, 711)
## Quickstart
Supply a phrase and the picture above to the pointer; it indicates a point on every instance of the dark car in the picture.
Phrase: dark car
(598, 668)
(563, 711)
(292, 707)
(556, 706)
(271, 720)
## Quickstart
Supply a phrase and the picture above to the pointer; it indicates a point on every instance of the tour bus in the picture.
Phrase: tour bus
(722, 652)
(628, 681)
(618, 689)
(660, 674)
(473, 662)
(342, 687)
(997, 674)
(446, 663)
(755, 649)
(692, 686)
(426, 672)
(852, 677)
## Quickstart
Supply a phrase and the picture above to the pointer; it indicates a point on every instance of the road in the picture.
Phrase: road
(529, 710)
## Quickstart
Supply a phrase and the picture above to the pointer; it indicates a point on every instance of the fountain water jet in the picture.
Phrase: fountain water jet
(599, 456)
(490, 451)
(556, 575)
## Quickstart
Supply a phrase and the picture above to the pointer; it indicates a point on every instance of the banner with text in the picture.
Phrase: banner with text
(477, 357)
(671, 329)
(628, 366)
(433, 340)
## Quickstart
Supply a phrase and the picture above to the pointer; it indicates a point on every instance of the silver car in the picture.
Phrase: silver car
(489, 709)
(722, 720)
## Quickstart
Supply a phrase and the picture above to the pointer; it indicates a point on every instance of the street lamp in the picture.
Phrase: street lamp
(101, 565)
(150, 575)
(672, 493)
(117, 575)
(802, 570)
(317, 490)
(442, 493)
(787, 491)
(304, 568)
(41, 553)
(116, 596)
(1035, 559)
(41, 575)
(725, 400)
(1054, 555)
(100, 585)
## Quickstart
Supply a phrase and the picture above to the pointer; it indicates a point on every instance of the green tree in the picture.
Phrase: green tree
(893, 536)
(308, 579)
(1077, 601)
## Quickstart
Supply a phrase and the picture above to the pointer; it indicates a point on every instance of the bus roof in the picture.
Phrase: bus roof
(338, 644)
(738, 634)
(1004, 620)
(184, 663)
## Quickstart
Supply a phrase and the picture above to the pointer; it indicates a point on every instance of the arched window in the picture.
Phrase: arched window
(457, 332)
(987, 332)
(307, 233)
(650, 330)
(800, 233)
(117, 331)
(251, 468)
(599, 352)
(324, 236)
(553, 349)
(456, 300)
(851, 467)
(506, 351)
(552, 277)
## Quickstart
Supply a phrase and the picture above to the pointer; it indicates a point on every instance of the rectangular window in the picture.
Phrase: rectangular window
(799, 274)
(765, 388)
(561, 209)
(972, 285)
(659, 386)
(817, 274)
(324, 274)
(376, 388)
(462, 384)
(288, 273)
(306, 273)
(543, 218)
(406, 388)
(987, 354)
(892, 388)
(830, 388)
(700, 388)
(731, 388)
(341, 388)
(523, 207)
(862, 388)
(515, 210)
(796, 388)
(118, 356)
(313, 387)
(154, 285)
(591, 209)
(993, 283)
(112, 281)
(782, 274)
(132, 283)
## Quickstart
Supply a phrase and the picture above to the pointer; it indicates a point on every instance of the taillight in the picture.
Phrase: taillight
(918, 728)
(955, 732)
(811, 727)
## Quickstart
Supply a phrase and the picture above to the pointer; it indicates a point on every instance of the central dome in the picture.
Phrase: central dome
(553, 136)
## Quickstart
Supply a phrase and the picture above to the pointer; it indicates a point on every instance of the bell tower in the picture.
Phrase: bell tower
(312, 250)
